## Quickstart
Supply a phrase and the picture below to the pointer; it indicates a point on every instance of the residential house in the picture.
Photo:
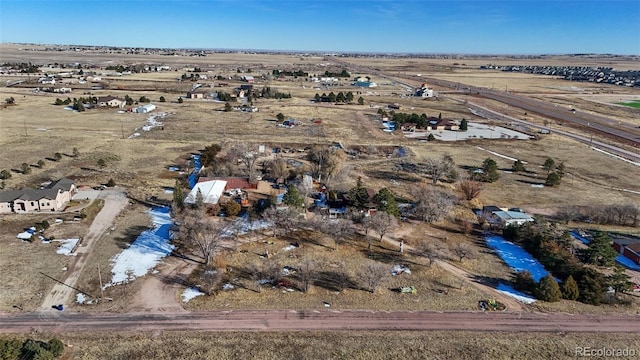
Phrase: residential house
(111, 101)
(54, 197)
(211, 192)
(408, 127)
(424, 91)
(434, 123)
(629, 248)
(47, 80)
(504, 218)
(249, 79)
(198, 93)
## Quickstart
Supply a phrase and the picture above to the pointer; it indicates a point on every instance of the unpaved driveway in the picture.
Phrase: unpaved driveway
(114, 202)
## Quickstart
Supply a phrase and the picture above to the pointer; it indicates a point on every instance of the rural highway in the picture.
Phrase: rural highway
(626, 154)
(319, 320)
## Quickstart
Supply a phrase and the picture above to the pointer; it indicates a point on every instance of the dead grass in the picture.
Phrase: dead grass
(34, 129)
(23, 262)
(363, 345)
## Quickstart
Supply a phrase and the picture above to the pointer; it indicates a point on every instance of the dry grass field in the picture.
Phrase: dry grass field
(339, 345)
(33, 129)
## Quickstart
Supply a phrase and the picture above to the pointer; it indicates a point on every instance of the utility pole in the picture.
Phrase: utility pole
(101, 289)
(24, 121)
(122, 128)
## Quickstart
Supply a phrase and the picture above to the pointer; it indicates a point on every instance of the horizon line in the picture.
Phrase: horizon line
(326, 52)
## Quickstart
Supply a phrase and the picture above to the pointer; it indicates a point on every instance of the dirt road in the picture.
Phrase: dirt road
(114, 202)
(280, 320)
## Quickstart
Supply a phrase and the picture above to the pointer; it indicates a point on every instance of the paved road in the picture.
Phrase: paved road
(283, 320)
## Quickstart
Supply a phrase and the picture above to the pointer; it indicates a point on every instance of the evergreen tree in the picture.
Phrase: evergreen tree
(292, 197)
(553, 179)
(386, 201)
(178, 195)
(360, 100)
(548, 289)
(600, 252)
(489, 170)
(199, 200)
(464, 125)
(227, 107)
(590, 285)
(518, 166)
(349, 97)
(570, 289)
(619, 280)
(549, 165)
(359, 196)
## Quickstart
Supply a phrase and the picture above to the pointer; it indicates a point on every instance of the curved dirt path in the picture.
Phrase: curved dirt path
(469, 278)
(114, 202)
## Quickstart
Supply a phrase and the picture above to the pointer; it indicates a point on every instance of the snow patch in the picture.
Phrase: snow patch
(81, 298)
(146, 251)
(190, 293)
(67, 246)
(509, 291)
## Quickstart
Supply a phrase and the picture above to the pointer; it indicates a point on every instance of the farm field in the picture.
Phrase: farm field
(140, 153)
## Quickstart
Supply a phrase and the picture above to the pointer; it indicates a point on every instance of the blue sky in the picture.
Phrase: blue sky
(401, 26)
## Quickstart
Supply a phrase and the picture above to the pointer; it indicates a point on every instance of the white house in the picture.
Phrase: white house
(506, 218)
(211, 192)
(145, 108)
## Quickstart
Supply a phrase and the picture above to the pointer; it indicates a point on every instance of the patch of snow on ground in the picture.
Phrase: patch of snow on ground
(509, 291)
(154, 121)
(228, 286)
(516, 257)
(81, 298)
(24, 235)
(146, 251)
(190, 293)
(67, 246)
(499, 155)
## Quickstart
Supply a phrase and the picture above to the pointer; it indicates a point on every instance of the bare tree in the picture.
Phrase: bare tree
(284, 219)
(433, 250)
(364, 222)
(372, 274)
(431, 203)
(277, 169)
(338, 229)
(201, 232)
(306, 272)
(464, 250)
(470, 188)
(247, 154)
(210, 279)
(439, 168)
(382, 223)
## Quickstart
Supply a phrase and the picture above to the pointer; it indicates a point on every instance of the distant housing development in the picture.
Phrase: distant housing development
(53, 197)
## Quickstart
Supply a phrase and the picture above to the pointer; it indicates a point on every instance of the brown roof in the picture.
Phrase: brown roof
(232, 182)
(634, 247)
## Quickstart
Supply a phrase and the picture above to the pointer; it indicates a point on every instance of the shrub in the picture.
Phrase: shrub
(523, 281)
(55, 347)
(111, 183)
(232, 208)
(570, 289)
(548, 289)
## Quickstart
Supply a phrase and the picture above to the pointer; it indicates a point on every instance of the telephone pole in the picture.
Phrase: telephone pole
(101, 288)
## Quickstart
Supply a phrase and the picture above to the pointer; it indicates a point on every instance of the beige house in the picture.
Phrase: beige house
(52, 198)
(111, 101)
